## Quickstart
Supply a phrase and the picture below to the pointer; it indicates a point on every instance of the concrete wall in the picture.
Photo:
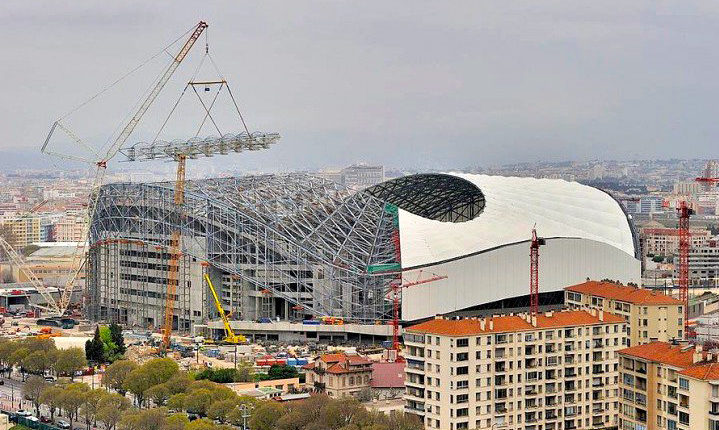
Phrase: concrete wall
(504, 272)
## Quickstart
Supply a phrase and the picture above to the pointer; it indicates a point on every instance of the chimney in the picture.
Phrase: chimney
(549, 314)
(491, 324)
(482, 324)
(533, 320)
(601, 315)
(438, 317)
(710, 357)
(696, 357)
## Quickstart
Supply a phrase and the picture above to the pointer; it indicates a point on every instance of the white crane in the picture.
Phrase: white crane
(101, 163)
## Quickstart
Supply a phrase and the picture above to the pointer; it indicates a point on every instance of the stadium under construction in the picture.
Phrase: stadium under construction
(295, 247)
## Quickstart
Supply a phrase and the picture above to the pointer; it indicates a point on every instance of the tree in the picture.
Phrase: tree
(69, 361)
(266, 415)
(51, 397)
(137, 382)
(158, 394)
(91, 405)
(220, 409)
(178, 383)
(176, 402)
(72, 398)
(6, 350)
(111, 408)
(198, 401)
(154, 372)
(37, 362)
(282, 372)
(117, 339)
(245, 371)
(33, 389)
(202, 424)
(176, 422)
(116, 374)
(148, 419)
(17, 357)
(94, 348)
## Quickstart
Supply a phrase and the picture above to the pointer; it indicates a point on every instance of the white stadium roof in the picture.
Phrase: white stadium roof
(512, 207)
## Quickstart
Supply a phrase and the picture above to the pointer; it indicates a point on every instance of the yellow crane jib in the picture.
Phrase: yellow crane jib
(230, 336)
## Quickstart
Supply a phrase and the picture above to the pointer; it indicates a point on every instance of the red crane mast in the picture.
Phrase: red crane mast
(683, 213)
(534, 272)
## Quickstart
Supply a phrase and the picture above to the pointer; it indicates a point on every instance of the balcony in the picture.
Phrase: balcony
(550, 415)
(500, 408)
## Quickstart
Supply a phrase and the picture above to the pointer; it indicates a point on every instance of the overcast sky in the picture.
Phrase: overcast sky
(404, 83)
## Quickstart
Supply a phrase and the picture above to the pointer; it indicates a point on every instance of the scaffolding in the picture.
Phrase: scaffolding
(308, 241)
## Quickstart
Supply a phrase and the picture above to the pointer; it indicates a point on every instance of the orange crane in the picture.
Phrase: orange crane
(173, 266)
(534, 272)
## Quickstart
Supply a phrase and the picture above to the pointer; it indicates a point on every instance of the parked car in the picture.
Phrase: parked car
(62, 424)
(23, 413)
(50, 378)
(44, 419)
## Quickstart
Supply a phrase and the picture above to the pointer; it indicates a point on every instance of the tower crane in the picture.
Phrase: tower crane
(101, 163)
(534, 272)
(683, 213)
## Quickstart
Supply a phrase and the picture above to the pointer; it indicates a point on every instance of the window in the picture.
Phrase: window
(462, 398)
(463, 370)
(462, 384)
(461, 343)
(683, 383)
(462, 356)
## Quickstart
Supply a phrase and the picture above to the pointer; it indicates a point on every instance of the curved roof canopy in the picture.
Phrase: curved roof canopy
(510, 207)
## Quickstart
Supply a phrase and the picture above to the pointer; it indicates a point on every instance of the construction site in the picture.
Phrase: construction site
(296, 257)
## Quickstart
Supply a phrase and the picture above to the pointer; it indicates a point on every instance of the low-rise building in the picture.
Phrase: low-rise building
(651, 315)
(668, 386)
(339, 375)
(555, 370)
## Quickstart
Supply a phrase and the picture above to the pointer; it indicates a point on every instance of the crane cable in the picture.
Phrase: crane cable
(121, 78)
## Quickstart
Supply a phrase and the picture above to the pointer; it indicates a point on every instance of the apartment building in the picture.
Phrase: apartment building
(556, 370)
(668, 386)
(25, 229)
(665, 241)
(651, 315)
(703, 263)
(339, 375)
(70, 228)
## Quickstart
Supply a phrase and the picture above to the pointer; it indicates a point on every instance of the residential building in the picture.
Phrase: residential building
(668, 386)
(650, 314)
(686, 188)
(25, 229)
(70, 228)
(555, 370)
(339, 375)
(387, 380)
(665, 241)
(703, 263)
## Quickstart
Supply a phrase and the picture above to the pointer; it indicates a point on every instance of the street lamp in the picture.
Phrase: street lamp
(245, 414)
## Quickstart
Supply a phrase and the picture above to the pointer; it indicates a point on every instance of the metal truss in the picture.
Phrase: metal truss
(297, 237)
(197, 147)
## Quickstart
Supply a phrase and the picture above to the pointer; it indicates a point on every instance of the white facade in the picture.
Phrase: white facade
(487, 259)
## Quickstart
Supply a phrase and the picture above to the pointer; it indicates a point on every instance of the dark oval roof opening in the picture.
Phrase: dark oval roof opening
(435, 196)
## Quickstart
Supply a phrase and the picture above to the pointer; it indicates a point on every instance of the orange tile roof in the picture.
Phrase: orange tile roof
(662, 352)
(703, 371)
(511, 323)
(624, 293)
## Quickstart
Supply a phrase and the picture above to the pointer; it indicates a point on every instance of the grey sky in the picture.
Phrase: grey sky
(412, 83)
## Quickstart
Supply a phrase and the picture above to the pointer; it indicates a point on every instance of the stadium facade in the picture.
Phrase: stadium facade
(297, 246)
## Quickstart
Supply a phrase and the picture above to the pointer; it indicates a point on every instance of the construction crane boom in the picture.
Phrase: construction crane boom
(20, 262)
(230, 336)
(101, 164)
